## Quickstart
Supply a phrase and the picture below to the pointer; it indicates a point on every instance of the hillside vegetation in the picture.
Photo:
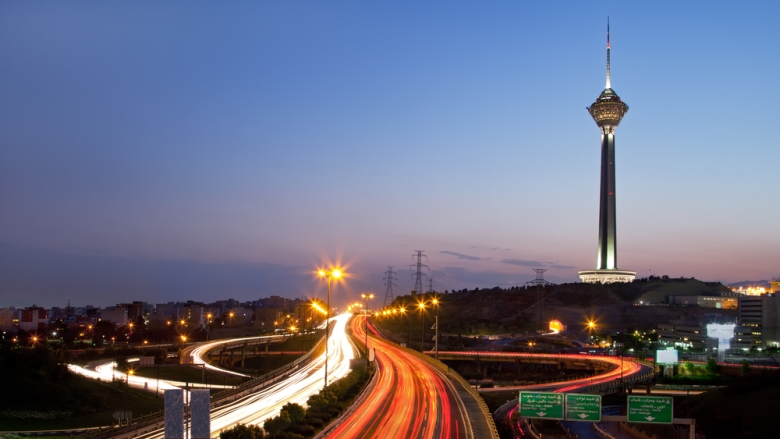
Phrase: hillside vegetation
(507, 310)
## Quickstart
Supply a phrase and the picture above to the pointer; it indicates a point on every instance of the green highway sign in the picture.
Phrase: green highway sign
(546, 405)
(650, 409)
(583, 407)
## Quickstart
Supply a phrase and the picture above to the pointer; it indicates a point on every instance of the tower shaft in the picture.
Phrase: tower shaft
(607, 250)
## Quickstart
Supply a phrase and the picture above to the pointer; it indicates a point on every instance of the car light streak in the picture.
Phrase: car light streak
(410, 400)
(200, 350)
(255, 408)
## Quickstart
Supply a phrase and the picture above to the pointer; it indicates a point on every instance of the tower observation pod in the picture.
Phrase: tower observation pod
(607, 111)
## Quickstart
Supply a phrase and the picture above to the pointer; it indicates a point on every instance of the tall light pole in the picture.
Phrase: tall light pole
(328, 275)
(436, 325)
(365, 317)
(421, 305)
(402, 310)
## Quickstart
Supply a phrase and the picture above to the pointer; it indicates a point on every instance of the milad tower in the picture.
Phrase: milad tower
(607, 111)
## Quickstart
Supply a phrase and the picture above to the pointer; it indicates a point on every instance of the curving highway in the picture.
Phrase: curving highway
(624, 369)
(411, 400)
(255, 408)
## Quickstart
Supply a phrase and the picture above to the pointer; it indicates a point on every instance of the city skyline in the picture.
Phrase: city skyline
(171, 152)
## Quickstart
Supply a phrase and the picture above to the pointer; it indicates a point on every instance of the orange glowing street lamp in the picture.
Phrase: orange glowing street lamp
(435, 302)
(328, 275)
(421, 307)
(366, 297)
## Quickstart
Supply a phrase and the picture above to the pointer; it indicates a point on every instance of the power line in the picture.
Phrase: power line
(539, 283)
(418, 288)
(389, 283)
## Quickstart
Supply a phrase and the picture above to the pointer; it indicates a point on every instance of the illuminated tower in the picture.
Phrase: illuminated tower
(607, 111)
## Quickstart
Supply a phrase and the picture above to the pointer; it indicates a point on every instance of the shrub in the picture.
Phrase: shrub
(241, 431)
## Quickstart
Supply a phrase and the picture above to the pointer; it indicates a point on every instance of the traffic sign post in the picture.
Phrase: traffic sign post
(583, 407)
(543, 405)
(651, 409)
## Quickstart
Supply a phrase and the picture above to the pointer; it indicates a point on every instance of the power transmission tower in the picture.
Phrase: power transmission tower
(389, 282)
(539, 283)
(430, 286)
(418, 287)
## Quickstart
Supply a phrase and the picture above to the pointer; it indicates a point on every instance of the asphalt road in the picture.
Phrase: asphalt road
(412, 399)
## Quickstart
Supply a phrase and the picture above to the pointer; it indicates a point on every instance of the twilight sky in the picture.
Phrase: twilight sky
(165, 151)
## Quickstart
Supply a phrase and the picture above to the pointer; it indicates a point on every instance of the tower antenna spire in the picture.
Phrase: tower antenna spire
(609, 80)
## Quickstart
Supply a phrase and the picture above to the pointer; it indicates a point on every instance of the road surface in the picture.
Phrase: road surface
(411, 400)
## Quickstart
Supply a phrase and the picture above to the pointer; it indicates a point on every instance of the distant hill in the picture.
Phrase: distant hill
(481, 311)
(655, 291)
(751, 283)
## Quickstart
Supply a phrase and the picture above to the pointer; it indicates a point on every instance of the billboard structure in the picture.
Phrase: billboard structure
(724, 334)
(669, 356)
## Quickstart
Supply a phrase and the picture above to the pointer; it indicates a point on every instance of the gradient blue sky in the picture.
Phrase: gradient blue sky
(171, 150)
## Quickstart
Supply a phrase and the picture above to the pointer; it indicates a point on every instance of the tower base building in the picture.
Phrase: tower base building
(606, 276)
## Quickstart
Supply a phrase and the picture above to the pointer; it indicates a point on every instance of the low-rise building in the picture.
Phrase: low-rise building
(266, 317)
(9, 317)
(33, 318)
(718, 302)
(682, 333)
(114, 314)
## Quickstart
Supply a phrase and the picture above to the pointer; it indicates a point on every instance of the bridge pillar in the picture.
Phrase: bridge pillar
(243, 355)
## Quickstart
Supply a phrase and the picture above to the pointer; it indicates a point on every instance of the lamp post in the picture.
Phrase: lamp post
(231, 318)
(328, 275)
(436, 325)
(292, 329)
(365, 317)
(421, 305)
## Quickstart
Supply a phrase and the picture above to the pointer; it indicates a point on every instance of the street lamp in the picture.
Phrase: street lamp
(231, 318)
(421, 306)
(402, 310)
(365, 317)
(328, 275)
(436, 325)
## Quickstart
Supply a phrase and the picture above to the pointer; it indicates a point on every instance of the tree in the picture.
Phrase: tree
(241, 431)
(295, 411)
(712, 366)
(275, 426)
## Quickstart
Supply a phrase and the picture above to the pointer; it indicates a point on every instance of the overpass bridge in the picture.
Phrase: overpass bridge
(613, 373)
(224, 352)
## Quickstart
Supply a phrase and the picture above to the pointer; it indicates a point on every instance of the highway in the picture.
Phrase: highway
(625, 369)
(255, 408)
(411, 400)
(198, 351)
(106, 371)
(630, 369)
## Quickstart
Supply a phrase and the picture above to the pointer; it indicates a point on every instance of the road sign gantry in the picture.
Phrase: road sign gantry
(543, 405)
(581, 407)
(650, 409)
